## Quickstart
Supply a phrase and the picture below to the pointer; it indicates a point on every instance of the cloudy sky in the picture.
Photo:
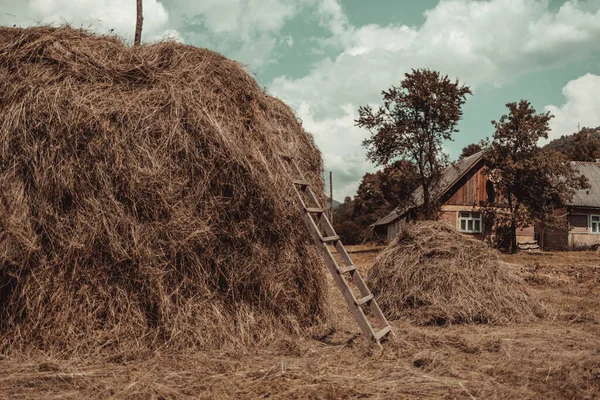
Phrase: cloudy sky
(327, 57)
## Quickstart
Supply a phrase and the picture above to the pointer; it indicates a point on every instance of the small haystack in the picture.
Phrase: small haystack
(431, 274)
(141, 202)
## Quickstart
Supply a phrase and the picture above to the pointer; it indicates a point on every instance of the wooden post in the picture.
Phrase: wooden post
(330, 198)
(138, 24)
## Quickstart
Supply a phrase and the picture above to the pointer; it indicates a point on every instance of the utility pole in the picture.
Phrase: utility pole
(138, 24)
(330, 198)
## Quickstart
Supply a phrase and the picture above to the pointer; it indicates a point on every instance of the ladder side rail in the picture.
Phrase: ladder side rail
(362, 286)
(309, 190)
(379, 316)
(351, 300)
(323, 220)
(315, 227)
(355, 275)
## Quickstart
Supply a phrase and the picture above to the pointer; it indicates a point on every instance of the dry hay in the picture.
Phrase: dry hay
(431, 274)
(141, 202)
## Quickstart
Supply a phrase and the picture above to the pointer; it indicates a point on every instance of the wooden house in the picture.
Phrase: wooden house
(582, 215)
(463, 189)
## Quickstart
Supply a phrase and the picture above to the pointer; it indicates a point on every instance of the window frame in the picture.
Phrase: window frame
(596, 223)
(468, 219)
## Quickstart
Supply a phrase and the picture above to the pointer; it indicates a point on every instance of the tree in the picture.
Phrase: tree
(381, 192)
(398, 182)
(138, 24)
(343, 223)
(532, 181)
(412, 124)
(469, 150)
(581, 146)
(377, 195)
(586, 146)
(369, 199)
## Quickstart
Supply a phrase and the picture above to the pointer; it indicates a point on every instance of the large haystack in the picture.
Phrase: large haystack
(140, 198)
(431, 274)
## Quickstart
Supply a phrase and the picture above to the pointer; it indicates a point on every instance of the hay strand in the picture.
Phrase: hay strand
(433, 275)
(140, 199)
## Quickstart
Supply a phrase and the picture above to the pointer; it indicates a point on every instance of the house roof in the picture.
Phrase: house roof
(587, 197)
(450, 177)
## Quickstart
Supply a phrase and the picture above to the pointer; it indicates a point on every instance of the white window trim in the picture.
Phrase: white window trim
(592, 216)
(470, 218)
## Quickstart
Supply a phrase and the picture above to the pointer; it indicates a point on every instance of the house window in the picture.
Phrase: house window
(470, 222)
(595, 223)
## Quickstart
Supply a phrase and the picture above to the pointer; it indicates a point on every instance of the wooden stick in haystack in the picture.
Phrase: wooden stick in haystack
(138, 24)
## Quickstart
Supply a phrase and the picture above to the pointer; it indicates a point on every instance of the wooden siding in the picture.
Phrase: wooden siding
(470, 191)
(395, 228)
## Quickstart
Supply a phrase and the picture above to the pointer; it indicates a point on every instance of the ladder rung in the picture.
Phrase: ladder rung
(300, 182)
(366, 299)
(329, 239)
(314, 210)
(348, 268)
(382, 332)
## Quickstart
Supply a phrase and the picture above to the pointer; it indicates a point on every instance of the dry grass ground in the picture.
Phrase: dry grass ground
(556, 357)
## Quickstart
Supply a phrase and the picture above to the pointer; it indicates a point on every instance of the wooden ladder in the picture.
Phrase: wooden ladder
(361, 301)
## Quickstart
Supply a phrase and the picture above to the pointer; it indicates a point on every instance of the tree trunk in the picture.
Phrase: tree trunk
(426, 201)
(138, 24)
(513, 236)
(513, 224)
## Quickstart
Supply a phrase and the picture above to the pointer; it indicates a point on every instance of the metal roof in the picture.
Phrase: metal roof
(587, 197)
(450, 177)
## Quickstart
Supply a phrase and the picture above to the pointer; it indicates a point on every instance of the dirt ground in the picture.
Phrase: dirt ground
(557, 357)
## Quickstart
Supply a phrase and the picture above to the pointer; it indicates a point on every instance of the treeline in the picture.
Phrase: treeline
(377, 195)
(581, 146)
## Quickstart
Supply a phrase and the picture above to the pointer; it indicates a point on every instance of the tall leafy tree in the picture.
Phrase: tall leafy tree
(532, 181)
(414, 121)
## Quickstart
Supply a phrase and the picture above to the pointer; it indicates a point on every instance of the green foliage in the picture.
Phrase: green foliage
(398, 182)
(532, 181)
(414, 121)
(348, 230)
(586, 145)
(581, 146)
(469, 150)
(377, 195)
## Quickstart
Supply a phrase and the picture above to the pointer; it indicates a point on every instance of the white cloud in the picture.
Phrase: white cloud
(102, 16)
(14, 13)
(241, 18)
(480, 42)
(337, 144)
(246, 30)
(582, 106)
(332, 16)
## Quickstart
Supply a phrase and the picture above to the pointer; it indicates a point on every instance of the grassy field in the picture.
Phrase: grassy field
(556, 357)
